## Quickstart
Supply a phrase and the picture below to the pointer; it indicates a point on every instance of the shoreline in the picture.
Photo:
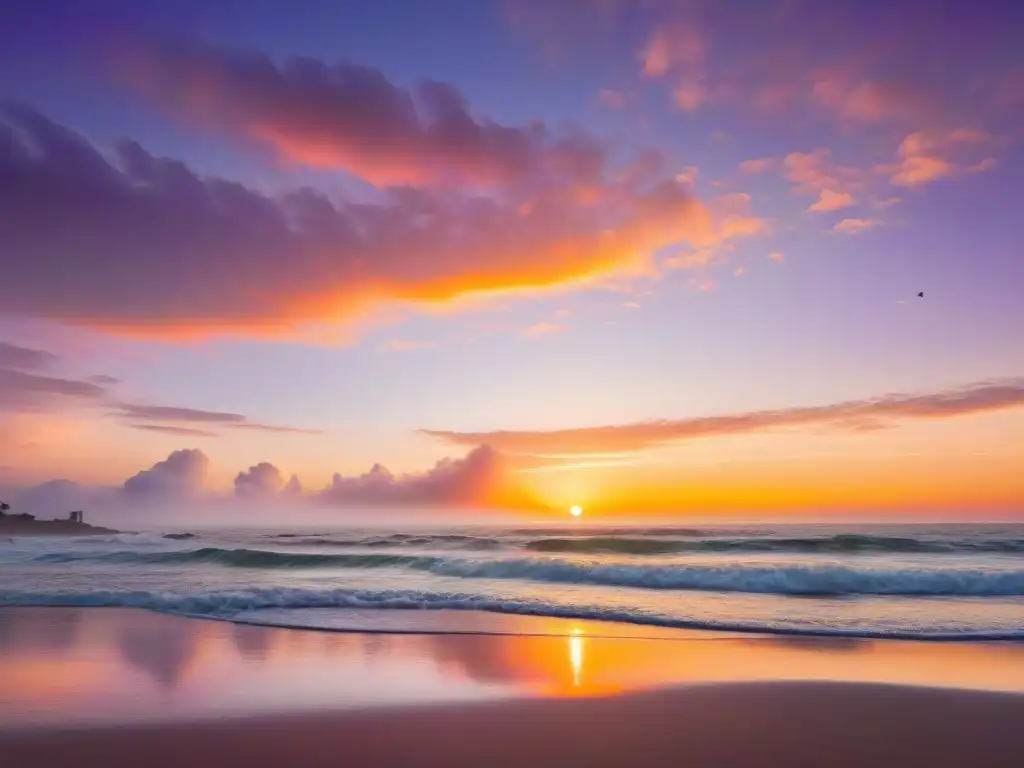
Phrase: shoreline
(104, 687)
(614, 628)
(61, 665)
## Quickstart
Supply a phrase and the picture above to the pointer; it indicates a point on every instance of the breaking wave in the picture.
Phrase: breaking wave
(394, 540)
(844, 543)
(790, 579)
(663, 541)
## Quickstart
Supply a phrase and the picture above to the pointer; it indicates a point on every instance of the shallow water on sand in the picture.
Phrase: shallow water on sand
(89, 666)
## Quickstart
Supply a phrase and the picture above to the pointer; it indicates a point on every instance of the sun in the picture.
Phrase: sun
(575, 510)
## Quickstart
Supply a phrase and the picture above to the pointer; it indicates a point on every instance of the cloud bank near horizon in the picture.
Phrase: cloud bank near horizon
(480, 479)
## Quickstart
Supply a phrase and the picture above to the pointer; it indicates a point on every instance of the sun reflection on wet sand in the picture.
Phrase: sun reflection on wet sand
(70, 665)
(576, 656)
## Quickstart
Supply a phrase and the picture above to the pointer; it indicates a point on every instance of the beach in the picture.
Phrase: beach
(119, 687)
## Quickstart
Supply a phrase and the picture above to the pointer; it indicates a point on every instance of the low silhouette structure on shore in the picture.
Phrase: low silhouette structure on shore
(25, 524)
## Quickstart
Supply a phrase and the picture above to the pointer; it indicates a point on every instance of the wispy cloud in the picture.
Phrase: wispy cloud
(276, 428)
(542, 328)
(854, 226)
(679, 49)
(405, 345)
(169, 429)
(811, 173)
(164, 413)
(673, 46)
(688, 175)
(24, 358)
(23, 390)
(927, 156)
(612, 98)
(856, 100)
(758, 165)
(887, 410)
(732, 218)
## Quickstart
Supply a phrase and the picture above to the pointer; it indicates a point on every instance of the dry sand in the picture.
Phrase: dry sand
(757, 724)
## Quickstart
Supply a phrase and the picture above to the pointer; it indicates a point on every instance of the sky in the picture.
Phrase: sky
(651, 257)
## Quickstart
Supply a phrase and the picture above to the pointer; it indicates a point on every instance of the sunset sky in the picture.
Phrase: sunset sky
(645, 257)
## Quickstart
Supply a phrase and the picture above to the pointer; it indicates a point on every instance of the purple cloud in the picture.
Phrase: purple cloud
(479, 479)
(164, 413)
(173, 413)
(294, 487)
(20, 390)
(260, 481)
(351, 117)
(141, 245)
(56, 497)
(170, 429)
(468, 480)
(275, 428)
(180, 474)
(24, 358)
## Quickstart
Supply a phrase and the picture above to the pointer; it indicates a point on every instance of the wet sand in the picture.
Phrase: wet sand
(119, 687)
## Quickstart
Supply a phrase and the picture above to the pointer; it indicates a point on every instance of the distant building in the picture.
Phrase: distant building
(76, 516)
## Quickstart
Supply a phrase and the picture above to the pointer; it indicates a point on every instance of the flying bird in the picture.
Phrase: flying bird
(920, 295)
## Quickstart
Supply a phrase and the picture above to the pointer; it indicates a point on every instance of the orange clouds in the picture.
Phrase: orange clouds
(352, 118)
(913, 171)
(481, 478)
(927, 156)
(731, 214)
(690, 93)
(884, 411)
(146, 245)
(404, 345)
(854, 226)
(759, 165)
(856, 100)
(831, 201)
(542, 328)
(679, 49)
(814, 172)
(673, 46)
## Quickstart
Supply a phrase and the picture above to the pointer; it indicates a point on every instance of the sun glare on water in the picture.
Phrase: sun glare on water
(575, 510)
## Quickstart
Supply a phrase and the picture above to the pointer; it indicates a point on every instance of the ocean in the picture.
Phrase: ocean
(940, 582)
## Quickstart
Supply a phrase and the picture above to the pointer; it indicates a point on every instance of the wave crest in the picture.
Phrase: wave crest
(843, 543)
(792, 579)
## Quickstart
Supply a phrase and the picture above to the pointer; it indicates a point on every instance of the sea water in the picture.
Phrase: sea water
(941, 582)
